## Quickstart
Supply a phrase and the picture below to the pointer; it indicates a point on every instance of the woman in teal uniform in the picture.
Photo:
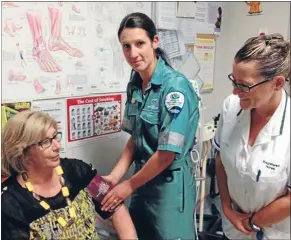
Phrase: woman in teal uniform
(161, 115)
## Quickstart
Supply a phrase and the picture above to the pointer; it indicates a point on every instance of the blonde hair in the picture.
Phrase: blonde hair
(21, 131)
(271, 52)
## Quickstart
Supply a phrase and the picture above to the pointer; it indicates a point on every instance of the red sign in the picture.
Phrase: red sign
(90, 117)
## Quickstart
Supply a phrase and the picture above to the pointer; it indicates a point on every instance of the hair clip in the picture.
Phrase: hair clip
(267, 42)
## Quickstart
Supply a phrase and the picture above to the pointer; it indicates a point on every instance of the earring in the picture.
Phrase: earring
(24, 176)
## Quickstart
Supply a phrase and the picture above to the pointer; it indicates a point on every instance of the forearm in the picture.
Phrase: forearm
(123, 224)
(278, 209)
(222, 184)
(125, 161)
(159, 161)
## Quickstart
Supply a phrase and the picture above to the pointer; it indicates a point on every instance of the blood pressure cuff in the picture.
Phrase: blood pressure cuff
(98, 188)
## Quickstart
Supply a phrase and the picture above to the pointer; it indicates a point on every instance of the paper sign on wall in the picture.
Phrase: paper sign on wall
(92, 117)
(205, 54)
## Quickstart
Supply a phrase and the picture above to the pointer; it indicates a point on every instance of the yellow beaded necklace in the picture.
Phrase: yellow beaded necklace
(45, 205)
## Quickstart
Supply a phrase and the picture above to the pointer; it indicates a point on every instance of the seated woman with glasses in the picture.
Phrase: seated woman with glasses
(46, 197)
(253, 143)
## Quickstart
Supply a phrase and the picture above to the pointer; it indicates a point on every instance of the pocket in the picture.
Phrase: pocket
(132, 109)
(271, 170)
(270, 181)
(150, 122)
(151, 117)
(268, 177)
(131, 117)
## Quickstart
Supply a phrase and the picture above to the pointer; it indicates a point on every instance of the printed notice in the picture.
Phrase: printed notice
(93, 117)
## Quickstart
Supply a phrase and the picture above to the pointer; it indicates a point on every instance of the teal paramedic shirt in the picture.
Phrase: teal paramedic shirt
(151, 121)
(165, 117)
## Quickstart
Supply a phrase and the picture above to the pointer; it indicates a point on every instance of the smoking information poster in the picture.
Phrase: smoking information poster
(92, 117)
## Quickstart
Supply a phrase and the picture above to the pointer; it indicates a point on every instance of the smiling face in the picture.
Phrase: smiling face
(246, 73)
(266, 60)
(49, 157)
(138, 49)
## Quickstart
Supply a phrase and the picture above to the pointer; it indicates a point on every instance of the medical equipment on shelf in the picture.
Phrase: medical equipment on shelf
(199, 155)
(209, 224)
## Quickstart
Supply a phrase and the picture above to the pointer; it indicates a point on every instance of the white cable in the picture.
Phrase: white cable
(197, 156)
(196, 160)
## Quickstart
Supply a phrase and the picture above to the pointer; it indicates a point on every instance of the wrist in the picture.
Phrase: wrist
(226, 207)
(253, 226)
(133, 183)
(114, 178)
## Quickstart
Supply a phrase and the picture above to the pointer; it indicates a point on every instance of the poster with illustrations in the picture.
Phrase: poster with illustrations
(63, 49)
(109, 70)
(39, 54)
(8, 110)
(205, 54)
(91, 117)
(57, 110)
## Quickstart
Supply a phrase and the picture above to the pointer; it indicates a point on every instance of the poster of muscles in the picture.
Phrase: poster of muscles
(41, 58)
(91, 117)
(63, 49)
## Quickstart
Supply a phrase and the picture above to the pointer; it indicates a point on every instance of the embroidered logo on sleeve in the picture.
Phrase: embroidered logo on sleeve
(174, 103)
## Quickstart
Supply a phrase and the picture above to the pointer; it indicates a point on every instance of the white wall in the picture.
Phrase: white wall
(237, 27)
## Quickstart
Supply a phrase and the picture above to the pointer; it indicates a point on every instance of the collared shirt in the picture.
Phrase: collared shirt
(256, 175)
(151, 124)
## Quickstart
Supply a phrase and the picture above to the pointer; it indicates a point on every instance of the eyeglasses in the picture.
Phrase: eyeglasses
(245, 88)
(46, 143)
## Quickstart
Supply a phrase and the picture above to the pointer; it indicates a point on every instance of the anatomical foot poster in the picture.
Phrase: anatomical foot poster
(93, 117)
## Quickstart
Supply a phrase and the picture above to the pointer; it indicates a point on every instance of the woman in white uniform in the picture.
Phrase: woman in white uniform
(253, 143)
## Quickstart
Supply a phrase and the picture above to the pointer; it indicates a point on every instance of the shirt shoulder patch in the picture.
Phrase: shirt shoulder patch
(174, 103)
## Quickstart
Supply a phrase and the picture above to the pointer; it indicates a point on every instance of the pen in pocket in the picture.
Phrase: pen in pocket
(258, 175)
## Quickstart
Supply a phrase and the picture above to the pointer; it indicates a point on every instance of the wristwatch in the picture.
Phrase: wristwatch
(252, 225)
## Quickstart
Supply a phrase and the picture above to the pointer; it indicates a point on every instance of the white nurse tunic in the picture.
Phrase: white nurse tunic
(259, 174)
